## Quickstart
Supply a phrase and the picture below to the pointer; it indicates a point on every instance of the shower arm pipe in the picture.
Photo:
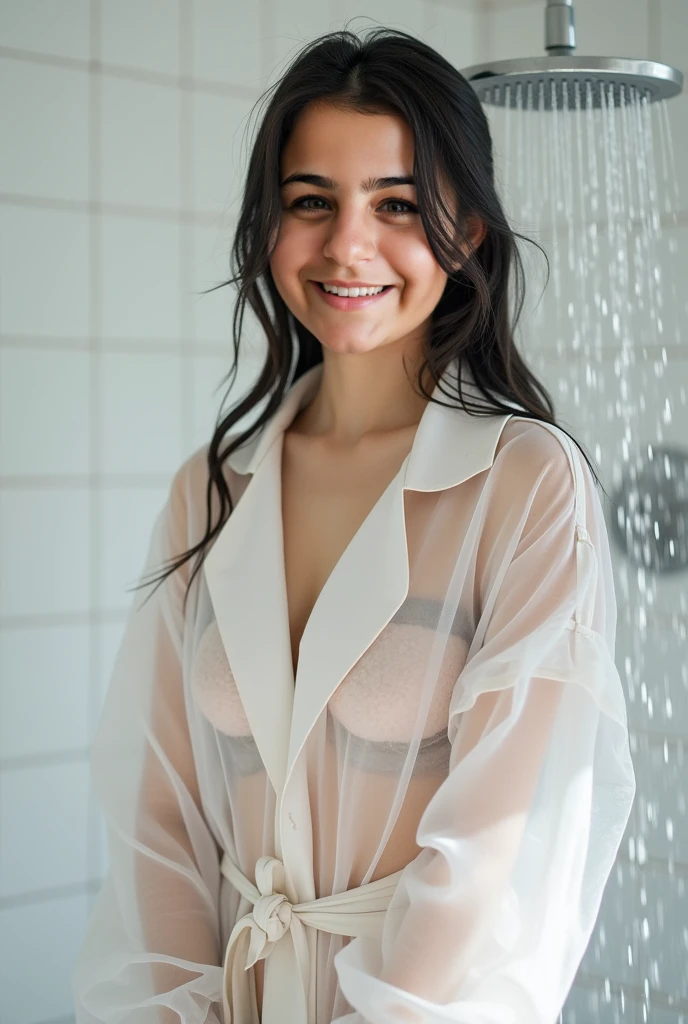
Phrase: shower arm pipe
(560, 28)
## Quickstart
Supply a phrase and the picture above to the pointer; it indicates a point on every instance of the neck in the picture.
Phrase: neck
(363, 395)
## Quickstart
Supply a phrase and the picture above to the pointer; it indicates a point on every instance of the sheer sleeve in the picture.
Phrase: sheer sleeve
(490, 921)
(151, 950)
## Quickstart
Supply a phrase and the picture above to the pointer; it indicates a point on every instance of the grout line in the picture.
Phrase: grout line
(165, 215)
(491, 6)
(476, 6)
(187, 242)
(87, 481)
(49, 759)
(57, 892)
(98, 68)
(95, 439)
(60, 620)
(116, 346)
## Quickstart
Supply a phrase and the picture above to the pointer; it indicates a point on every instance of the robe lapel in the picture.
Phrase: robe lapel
(245, 576)
(364, 590)
(245, 573)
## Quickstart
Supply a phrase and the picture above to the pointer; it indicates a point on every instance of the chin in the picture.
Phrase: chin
(349, 346)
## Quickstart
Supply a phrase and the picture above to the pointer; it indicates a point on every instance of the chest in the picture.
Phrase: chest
(325, 499)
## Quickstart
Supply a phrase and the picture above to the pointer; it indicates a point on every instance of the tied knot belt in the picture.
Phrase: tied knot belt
(275, 928)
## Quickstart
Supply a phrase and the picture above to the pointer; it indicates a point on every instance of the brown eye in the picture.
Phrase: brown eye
(300, 203)
(409, 208)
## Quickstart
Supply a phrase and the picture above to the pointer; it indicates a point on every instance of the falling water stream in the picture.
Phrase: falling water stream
(597, 189)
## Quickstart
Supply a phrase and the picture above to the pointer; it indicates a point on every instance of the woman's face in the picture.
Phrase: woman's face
(335, 227)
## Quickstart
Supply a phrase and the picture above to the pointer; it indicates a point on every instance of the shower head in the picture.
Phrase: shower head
(572, 83)
(564, 81)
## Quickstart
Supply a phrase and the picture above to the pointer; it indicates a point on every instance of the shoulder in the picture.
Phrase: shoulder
(535, 443)
(185, 508)
(533, 451)
(188, 495)
(188, 483)
(539, 472)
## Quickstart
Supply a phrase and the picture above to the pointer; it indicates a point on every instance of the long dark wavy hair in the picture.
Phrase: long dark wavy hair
(387, 71)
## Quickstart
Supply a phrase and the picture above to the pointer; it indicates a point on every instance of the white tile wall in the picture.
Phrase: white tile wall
(227, 43)
(141, 394)
(407, 15)
(117, 201)
(515, 30)
(45, 689)
(152, 46)
(44, 150)
(45, 405)
(33, 26)
(47, 934)
(140, 119)
(212, 312)
(453, 31)
(208, 392)
(617, 28)
(43, 844)
(139, 279)
(219, 150)
(672, 30)
(44, 551)
(44, 293)
(126, 517)
(291, 25)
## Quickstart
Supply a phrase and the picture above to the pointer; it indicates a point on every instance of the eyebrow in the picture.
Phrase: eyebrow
(369, 185)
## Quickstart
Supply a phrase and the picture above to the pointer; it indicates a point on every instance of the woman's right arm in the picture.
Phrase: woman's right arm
(151, 951)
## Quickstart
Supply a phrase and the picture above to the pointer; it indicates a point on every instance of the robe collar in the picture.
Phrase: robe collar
(244, 569)
(436, 461)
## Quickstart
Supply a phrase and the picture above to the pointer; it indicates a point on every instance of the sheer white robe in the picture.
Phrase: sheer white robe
(456, 722)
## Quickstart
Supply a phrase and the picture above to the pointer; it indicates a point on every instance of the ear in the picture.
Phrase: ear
(477, 229)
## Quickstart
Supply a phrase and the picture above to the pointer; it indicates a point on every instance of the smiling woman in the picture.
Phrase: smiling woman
(367, 762)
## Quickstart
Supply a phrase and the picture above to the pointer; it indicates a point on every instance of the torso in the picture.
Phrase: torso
(325, 499)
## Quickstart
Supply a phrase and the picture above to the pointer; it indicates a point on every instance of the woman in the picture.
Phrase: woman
(369, 760)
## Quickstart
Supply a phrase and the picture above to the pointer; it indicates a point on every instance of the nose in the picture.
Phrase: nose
(351, 238)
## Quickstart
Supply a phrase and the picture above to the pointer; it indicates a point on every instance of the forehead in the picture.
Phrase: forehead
(330, 139)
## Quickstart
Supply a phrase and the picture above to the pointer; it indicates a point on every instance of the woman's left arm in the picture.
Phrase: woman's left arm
(490, 921)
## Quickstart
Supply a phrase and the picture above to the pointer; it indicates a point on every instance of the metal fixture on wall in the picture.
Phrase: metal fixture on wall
(561, 70)
(651, 525)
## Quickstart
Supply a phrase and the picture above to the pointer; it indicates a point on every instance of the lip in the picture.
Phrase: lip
(349, 302)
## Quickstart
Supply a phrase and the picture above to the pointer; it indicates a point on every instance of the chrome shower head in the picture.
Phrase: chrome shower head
(564, 81)
(570, 83)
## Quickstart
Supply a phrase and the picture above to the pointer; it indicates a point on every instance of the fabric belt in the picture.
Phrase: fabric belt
(275, 928)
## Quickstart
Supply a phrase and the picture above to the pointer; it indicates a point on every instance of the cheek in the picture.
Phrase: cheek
(420, 270)
(289, 254)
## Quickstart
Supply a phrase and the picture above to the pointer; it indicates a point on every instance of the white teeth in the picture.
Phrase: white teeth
(352, 292)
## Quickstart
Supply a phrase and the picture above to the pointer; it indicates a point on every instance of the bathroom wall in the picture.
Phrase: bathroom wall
(123, 127)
